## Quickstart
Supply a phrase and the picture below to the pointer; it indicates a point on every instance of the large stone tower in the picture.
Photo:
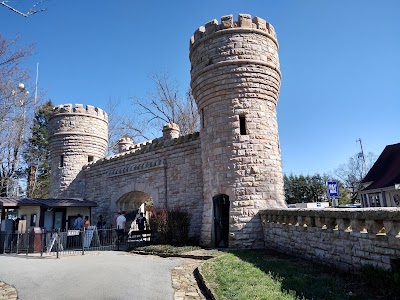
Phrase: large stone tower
(235, 80)
(78, 136)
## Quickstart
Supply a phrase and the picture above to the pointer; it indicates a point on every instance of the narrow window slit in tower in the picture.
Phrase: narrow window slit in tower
(61, 161)
(90, 158)
(242, 123)
(202, 117)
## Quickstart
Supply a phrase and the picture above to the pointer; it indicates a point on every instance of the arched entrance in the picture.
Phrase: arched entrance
(133, 203)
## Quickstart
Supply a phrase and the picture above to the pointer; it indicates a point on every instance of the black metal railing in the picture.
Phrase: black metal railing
(56, 242)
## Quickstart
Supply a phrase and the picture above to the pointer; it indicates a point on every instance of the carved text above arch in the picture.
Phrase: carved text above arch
(149, 165)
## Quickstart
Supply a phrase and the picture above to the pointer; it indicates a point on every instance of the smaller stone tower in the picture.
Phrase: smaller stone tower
(77, 136)
(170, 131)
(124, 144)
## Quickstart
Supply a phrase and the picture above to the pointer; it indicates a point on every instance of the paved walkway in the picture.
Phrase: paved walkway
(95, 275)
(183, 280)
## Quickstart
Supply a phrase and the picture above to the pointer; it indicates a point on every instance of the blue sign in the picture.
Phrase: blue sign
(333, 189)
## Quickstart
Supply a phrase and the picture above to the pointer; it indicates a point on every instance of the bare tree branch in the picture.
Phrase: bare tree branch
(29, 13)
(139, 129)
(351, 173)
(165, 104)
(120, 125)
(16, 107)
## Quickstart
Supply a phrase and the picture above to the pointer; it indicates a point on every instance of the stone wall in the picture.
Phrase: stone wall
(344, 238)
(77, 135)
(168, 170)
(235, 79)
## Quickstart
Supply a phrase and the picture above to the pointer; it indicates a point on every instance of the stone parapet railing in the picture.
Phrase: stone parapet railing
(381, 221)
(345, 238)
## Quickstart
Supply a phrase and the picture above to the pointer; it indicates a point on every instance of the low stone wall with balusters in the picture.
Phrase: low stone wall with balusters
(344, 238)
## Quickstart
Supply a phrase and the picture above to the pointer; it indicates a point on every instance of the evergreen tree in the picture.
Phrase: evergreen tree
(37, 154)
(300, 188)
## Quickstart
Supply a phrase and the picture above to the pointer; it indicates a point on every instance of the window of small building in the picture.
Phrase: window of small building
(33, 220)
(375, 201)
(90, 158)
(242, 123)
(61, 163)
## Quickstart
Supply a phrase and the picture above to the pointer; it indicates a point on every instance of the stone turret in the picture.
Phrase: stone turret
(124, 144)
(235, 80)
(170, 131)
(77, 136)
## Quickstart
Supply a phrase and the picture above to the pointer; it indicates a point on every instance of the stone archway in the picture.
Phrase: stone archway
(139, 187)
(131, 202)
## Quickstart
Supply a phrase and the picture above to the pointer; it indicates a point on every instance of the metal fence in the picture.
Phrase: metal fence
(58, 242)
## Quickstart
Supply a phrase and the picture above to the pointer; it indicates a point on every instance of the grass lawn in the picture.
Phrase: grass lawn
(251, 274)
(166, 249)
(263, 274)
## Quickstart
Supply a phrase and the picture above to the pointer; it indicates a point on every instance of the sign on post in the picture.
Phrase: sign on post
(333, 189)
(52, 242)
(87, 240)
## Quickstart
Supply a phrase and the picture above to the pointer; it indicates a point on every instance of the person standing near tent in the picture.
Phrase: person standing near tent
(121, 222)
(141, 221)
(87, 222)
(115, 219)
(101, 228)
(78, 224)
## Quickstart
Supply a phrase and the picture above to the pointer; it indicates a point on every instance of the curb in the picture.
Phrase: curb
(166, 255)
(200, 279)
(7, 292)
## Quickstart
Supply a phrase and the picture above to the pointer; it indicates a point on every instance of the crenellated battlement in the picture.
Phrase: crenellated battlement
(149, 146)
(245, 22)
(156, 144)
(80, 109)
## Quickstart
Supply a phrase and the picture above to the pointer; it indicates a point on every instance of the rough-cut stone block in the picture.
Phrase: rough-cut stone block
(260, 23)
(245, 21)
(227, 21)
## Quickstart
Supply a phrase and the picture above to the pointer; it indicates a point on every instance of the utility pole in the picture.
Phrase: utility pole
(363, 157)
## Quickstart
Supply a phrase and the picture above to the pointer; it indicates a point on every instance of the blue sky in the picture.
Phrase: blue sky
(340, 62)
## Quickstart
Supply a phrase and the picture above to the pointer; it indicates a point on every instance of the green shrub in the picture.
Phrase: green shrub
(159, 226)
(179, 222)
(171, 226)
